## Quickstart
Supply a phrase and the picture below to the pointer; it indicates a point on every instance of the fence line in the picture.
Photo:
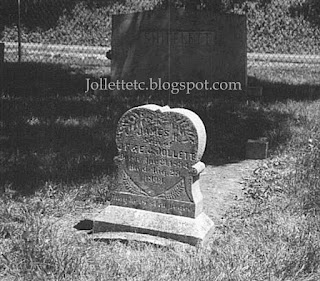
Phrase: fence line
(58, 48)
(289, 58)
(96, 55)
(57, 53)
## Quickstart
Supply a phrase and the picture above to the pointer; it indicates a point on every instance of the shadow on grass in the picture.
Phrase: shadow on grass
(279, 91)
(230, 123)
(52, 131)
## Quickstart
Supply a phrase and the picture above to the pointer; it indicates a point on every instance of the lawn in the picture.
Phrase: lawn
(57, 149)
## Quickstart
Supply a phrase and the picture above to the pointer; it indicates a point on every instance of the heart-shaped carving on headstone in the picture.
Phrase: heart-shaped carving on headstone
(158, 147)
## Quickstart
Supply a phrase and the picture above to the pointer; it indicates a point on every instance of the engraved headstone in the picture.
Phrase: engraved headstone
(179, 45)
(158, 190)
(158, 148)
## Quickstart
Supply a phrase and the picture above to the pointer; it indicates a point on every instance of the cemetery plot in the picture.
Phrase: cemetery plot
(158, 191)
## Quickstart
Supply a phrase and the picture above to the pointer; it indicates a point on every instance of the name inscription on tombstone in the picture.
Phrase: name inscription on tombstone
(159, 160)
(179, 46)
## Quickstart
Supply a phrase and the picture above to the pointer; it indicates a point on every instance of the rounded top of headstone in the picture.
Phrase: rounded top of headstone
(178, 129)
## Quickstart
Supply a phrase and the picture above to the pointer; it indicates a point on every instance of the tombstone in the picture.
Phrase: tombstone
(257, 149)
(179, 45)
(158, 196)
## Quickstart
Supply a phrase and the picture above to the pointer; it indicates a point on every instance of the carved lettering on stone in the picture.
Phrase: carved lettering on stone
(158, 148)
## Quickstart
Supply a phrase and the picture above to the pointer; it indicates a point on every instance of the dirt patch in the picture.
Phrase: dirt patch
(222, 186)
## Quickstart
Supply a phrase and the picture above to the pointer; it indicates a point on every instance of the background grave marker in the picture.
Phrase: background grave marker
(179, 46)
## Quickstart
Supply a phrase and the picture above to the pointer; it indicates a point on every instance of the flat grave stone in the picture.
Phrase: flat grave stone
(158, 191)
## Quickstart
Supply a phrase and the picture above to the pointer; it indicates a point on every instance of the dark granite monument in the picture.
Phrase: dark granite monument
(158, 194)
(179, 46)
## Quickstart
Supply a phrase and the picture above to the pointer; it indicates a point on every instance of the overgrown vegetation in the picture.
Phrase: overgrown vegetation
(274, 26)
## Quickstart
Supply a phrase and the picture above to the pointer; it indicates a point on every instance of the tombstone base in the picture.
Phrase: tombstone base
(114, 222)
(133, 236)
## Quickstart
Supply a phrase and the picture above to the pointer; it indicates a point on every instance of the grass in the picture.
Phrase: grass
(56, 153)
(270, 238)
(53, 131)
(287, 75)
(273, 26)
(57, 166)
(283, 27)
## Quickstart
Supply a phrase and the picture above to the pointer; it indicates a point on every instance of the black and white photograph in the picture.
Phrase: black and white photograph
(159, 140)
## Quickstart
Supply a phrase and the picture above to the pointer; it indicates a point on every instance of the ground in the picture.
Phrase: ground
(222, 186)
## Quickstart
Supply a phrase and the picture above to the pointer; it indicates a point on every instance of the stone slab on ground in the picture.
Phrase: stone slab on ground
(194, 231)
(221, 186)
(138, 237)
